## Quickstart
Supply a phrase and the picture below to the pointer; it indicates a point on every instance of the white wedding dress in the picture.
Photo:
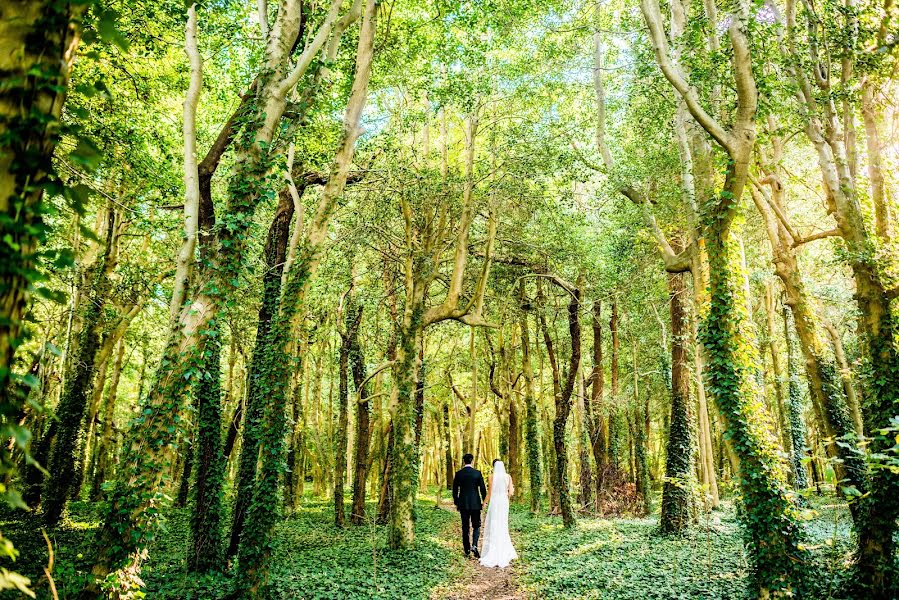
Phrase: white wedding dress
(498, 550)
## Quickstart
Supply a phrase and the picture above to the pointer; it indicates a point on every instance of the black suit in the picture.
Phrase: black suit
(468, 491)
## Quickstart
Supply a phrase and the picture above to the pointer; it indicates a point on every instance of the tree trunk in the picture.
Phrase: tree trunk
(348, 336)
(205, 553)
(532, 436)
(72, 406)
(614, 426)
(514, 455)
(262, 515)
(403, 456)
(448, 450)
(472, 433)
(187, 467)
(385, 496)
(599, 428)
(772, 529)
(563, 409)
(275, 253)
(363, 432)
(846, 377)
(677, 490)
(419, 410)
(38, 40)
(640, 436)
(776, 369)
(293, 478)
(585, 491)
(105, 443)
(797, 423)
(706, 448)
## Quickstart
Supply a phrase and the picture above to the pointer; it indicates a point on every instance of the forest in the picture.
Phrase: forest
(268, 270)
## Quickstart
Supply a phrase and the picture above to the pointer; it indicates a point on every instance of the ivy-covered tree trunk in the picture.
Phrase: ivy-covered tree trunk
(206, 551)
(563, 409)
(186, 467)
(264, 506)
(532, 435)
(677, 491)
(275, 253)
(133, 511)
(362, 433)
(38, 40)
(770, 524)
(794, 410)
(278, 357)
(879, 510)
(73, 403)
(614, 424)
(106, 442)
(640, 435)
(403, 455)
(348, 335)
(447, 448)
(599, 429)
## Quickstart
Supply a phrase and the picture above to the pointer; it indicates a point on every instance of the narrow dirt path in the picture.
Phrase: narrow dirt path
(479, 583)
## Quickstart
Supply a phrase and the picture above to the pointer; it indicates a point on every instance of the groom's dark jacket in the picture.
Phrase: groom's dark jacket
(469, 489)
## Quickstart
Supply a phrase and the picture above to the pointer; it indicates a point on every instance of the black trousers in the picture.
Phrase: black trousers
(470, 518)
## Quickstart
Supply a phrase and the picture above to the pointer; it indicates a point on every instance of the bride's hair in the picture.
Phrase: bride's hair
(496, 460)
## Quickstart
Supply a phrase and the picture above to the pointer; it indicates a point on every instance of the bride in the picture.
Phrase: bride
(498, 550)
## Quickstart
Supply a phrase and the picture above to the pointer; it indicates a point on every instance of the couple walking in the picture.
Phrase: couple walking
(468, 490)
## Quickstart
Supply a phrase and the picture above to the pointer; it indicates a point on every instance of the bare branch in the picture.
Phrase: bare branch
(653, 16)
(309, 53)
(818, 236)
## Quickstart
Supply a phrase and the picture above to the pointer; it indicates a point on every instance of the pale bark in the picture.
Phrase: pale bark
(139, 488)
(185, 260)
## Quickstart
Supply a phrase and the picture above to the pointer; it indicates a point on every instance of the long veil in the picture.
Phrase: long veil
(498, 549)
(500, 480)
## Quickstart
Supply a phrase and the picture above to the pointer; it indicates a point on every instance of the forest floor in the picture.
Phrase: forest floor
(603, 558)
(477, 582)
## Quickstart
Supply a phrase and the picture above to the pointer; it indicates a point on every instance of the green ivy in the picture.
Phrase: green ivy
(771, 526)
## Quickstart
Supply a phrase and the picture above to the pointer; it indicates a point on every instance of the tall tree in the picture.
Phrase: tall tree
(772, 531)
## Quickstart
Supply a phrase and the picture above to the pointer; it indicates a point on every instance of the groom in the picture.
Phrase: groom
(468, 490)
